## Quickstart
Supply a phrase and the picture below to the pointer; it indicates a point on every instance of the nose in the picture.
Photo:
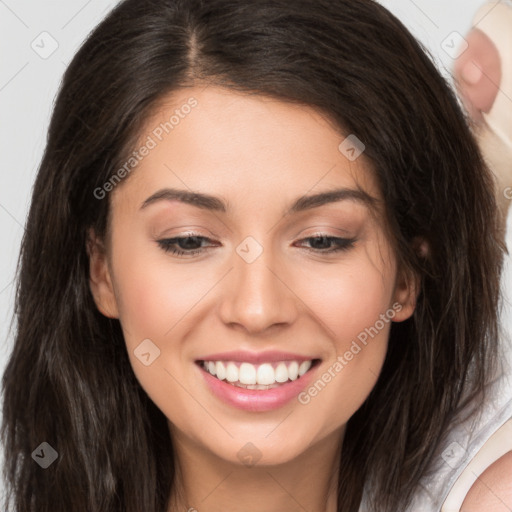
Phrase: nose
(258, 295)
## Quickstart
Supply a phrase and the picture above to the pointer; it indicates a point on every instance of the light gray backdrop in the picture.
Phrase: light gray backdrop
(39, 38)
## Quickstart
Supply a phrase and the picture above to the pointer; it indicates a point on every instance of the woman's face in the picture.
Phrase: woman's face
(259, 292)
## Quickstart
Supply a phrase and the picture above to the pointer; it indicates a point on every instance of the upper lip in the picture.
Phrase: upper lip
(255, 357)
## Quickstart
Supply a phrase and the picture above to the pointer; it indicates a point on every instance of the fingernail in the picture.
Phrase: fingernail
(471, 73)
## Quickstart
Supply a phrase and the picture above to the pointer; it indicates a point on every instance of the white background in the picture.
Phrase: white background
(28, 84)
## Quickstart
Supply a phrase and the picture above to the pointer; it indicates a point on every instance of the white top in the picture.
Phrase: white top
(468, 450)
(496, 446)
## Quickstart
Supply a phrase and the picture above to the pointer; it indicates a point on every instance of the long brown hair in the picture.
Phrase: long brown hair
(69, 381)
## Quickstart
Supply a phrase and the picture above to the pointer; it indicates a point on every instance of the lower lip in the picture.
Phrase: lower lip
(253, 399)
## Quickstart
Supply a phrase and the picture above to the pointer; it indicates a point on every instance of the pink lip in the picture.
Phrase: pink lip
(256, 400)
(255, 357)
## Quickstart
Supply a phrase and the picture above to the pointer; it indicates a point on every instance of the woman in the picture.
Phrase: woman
(260, 270)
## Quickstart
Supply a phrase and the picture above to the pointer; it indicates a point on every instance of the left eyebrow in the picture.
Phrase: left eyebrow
(213, 203)
(332, 196)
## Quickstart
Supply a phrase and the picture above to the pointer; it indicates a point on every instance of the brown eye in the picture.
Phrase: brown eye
(322, 243)
(182, 246)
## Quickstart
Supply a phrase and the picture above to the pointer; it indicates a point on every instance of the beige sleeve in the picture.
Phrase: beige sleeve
(495, 447)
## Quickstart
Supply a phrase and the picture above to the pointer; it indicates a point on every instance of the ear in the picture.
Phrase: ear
(100, 281)
(407, 286)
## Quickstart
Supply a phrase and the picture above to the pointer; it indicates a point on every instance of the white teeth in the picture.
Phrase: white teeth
(263, 376)
(256, 386)
(231, 372)
(220, 370)
(247, 374)
(281, 373)
(303, 368)
(293, 370)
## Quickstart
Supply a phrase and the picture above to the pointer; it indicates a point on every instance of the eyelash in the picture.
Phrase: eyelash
(167, 244)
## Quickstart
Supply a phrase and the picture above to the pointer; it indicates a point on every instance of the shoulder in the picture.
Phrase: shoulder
(492, 489)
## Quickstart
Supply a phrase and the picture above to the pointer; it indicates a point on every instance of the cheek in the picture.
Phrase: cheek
(348, 303)
(152, 296)
(349, 298)
(152, 300)
(359, 347)
(354, 304)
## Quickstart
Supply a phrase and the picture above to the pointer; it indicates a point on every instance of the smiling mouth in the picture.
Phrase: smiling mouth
(258, 376)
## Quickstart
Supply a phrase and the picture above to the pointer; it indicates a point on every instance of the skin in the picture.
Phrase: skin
(493, 488)
(259, 155)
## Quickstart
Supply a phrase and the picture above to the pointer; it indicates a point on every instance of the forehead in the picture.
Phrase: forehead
(244, 147)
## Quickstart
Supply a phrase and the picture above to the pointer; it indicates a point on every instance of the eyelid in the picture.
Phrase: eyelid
(327, 230)
(188, 231)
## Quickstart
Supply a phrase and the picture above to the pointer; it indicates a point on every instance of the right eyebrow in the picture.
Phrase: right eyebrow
(200, 200)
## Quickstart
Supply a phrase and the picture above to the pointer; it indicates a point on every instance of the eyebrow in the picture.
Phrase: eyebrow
(213, 203)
